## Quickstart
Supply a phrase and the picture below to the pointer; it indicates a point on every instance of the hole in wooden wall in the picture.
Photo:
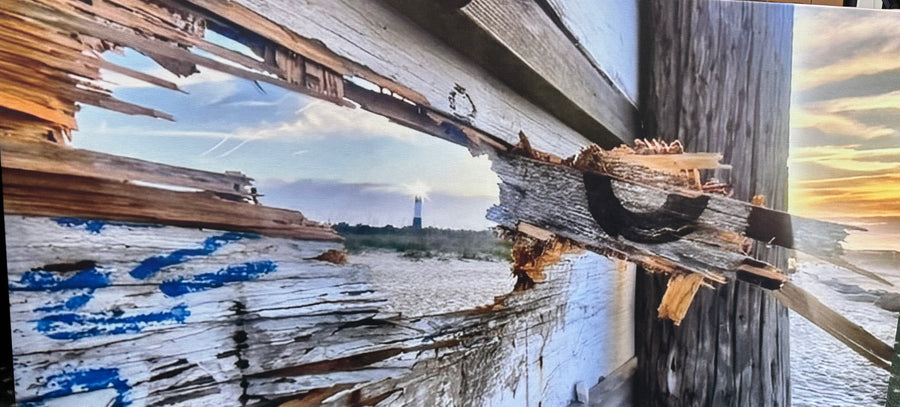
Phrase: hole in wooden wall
(347, 167)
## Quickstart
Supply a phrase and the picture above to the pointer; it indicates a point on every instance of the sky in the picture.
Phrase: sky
(337, 164)
(845, 117)
(332, 163)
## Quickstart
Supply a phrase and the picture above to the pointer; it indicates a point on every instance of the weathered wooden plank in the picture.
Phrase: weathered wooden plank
(608, 36)
(514, 41)
(151, 308)
(47, 194)
(615, 390)
(852, 335)
(717, 78)
(55, 159)
(557, 197)
(374, 35)
(305, 330)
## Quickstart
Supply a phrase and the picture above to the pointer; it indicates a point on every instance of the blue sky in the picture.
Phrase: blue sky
(332, 163)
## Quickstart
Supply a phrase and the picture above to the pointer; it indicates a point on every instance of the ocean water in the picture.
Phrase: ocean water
(825, 372)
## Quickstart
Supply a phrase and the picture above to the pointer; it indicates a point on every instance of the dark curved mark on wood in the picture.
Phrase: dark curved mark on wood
(770, 226)
(676, 218)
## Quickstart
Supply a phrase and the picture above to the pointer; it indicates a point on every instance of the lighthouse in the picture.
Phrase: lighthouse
(417, 213)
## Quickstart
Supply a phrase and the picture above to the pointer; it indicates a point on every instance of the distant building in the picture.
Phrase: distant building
(417, 213)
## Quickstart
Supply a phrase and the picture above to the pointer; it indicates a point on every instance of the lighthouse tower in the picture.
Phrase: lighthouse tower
(417, 213)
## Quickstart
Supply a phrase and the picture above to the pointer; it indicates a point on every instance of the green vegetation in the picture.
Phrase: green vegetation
(426, 242)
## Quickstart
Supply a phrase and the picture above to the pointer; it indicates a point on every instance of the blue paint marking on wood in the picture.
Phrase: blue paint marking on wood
(91, 225)
(75, 302)
(81, 381)
(153, 265)
(74, 326)
(206, 281)
(40, 280)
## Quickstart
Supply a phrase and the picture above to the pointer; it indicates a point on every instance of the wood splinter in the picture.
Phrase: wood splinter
(532, 254)
(679, 295)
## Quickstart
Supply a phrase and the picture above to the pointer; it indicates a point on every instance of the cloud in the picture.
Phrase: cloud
(848, 197)
(826, 35)
(325, 120)
(890, 100)
(832, 123)
(836, 45)
(849, 158)
(848, 68)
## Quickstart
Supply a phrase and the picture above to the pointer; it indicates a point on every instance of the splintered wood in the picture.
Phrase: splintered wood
(146, 308)
(655, 212)
(678, 297)
(532, 256)
(45, 179)
(52, 60)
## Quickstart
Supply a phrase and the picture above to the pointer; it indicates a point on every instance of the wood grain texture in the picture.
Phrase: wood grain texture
(520, 45)
(374, 35)
(608, 35)
(52, 158)
(849, 333)
(557, 198)
(48, 194)
(117, 313)
(716, 75)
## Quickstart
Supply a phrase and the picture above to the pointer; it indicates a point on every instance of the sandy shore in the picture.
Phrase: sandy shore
(435, 285)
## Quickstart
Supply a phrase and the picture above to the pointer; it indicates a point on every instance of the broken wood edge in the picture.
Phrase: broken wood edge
(35, 193)
(422, 118)
(679, 295)
(761, 274)
(51, 157)
(533, 251)
(684, 282)
(835, 324)
(524, 151)
(246, 20)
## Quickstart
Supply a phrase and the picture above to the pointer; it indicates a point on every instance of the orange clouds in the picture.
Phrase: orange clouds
(839, 173)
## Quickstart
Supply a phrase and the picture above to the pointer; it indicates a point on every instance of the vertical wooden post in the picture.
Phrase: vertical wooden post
(893, 396)
(716, 75)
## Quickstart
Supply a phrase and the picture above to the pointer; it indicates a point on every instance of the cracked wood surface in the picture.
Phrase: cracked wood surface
(153, 315)
(514, 41)
(374, 35)
(50, 158)
(716, 77)
(47, 194)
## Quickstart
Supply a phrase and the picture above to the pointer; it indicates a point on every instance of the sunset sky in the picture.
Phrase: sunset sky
(337, 164)
(845, 116)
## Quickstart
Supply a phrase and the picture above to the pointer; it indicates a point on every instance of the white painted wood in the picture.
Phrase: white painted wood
(304, 328)
(372, 34)
(608, 31)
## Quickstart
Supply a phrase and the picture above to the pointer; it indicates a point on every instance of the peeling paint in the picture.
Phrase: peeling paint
(74, 326)
(92, 226)
(230, 274)
(81, 381)
(41, 280)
